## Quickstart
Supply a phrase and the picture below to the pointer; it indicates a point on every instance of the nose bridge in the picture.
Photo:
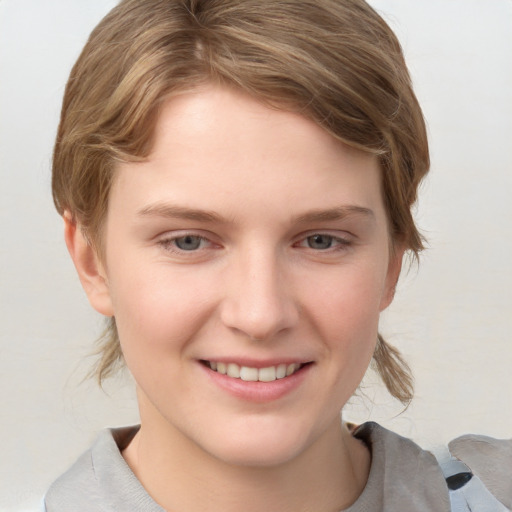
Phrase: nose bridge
(258, 300)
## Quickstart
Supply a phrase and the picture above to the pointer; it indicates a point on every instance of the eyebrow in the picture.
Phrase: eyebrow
(200, 215)
(179, 212)
(333, 214)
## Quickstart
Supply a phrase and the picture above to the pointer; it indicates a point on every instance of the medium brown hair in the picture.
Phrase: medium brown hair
(334, 61)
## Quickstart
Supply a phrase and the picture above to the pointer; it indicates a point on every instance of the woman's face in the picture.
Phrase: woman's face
(254, 243)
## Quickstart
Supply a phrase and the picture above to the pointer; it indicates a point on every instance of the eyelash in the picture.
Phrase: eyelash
(336, 243)
(170, 244)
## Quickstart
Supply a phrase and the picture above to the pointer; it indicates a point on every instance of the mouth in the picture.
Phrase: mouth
(252, 374)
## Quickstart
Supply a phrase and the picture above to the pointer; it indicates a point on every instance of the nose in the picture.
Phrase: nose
(258, 301)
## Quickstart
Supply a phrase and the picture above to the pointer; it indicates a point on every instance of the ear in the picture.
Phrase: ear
(394, 267)
(89, 267)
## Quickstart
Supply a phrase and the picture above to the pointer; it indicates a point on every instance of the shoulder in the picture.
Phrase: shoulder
(100, 480)
(490, 459)
(76, 489)
(408, 458)
(404, 473)
(403, 476)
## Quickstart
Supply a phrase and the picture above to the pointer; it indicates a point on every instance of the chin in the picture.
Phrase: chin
(259, 445)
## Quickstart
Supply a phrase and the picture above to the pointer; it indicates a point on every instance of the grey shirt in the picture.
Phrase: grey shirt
(403, 477)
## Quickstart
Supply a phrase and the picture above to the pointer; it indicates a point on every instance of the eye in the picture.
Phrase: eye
(324, 242)
(188, 242)
(320, 241)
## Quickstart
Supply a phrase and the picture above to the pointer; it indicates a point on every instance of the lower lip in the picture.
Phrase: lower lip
(258, 391)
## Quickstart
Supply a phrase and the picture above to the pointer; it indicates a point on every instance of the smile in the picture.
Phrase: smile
(250, 374)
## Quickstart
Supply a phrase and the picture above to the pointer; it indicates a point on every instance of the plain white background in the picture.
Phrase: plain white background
(452, 318)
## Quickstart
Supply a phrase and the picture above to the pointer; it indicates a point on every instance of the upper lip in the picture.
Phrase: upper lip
(257, 363)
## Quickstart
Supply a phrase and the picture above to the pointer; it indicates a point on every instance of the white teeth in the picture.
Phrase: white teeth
(281, 371)
(233, 371)
(291, 369)
(249, 374)
(267, 374)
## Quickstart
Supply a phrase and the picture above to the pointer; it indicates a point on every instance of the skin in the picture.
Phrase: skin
(258, 286)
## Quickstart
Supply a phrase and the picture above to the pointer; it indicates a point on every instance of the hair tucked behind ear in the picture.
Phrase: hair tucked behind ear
(108, 352)
(393, 370)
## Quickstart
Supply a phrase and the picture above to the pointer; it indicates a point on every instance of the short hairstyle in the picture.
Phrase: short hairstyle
(335, 62)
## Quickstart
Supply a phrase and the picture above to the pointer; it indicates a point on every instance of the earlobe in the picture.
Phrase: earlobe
(88, 265)
(394, 268)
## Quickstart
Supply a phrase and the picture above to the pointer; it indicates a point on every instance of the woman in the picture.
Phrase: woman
(236, 181)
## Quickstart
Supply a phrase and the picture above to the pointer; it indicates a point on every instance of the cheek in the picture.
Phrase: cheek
(157, 310)
(345, 310)
(348, 296)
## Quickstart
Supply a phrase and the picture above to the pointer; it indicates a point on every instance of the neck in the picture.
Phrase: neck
(327, 477)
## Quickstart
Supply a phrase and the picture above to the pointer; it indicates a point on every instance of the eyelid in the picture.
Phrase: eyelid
(166, 241)
(342, 236)
(340, 242)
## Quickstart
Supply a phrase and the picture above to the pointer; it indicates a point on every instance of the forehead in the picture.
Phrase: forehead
(215, 144)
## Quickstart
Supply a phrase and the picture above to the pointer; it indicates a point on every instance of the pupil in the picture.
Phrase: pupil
(188, 243)
(320, 241)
